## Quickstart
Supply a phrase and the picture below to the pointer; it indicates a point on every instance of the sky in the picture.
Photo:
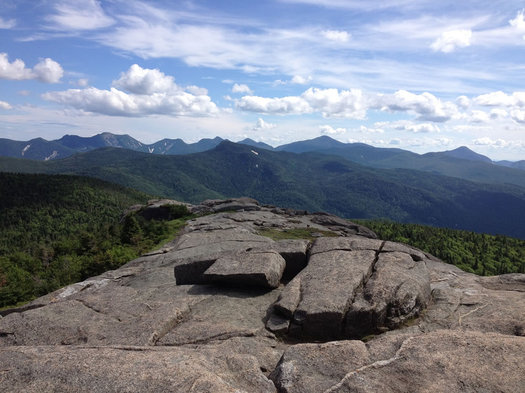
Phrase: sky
(417, 75)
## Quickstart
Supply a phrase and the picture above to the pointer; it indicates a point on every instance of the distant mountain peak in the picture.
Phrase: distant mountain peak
(464, 153)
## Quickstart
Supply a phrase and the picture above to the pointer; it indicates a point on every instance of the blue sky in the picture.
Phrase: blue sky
(419, 75)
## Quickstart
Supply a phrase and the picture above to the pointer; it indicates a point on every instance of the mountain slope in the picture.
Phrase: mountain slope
(459, 163)
(309, 181)
(465, 153)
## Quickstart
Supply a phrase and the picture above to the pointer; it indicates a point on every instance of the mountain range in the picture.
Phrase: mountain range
(312, 181)
(41, 149)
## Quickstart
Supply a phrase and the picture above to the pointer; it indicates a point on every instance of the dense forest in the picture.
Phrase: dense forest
(307, 181)
(56, 230)
(60, 229)
(483, 254)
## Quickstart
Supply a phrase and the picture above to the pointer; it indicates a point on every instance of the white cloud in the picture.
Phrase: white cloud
(262, 125)
(518, 116)
(479, 117)
(463, 102)
(14, 71)
(417, 128)
(5, 105)
(426, 106)
(241, 88)
(149, 92)
(498, 113)
(79, 15)
(284, 105)
(370, 130)
(497, 98)
(300, 80)
(335, 103)
(336, 35)
(329, 102)
(83, 82)
(519, 21)
(198, 91)
(449, 41)
(329, 130)
(486, 141)
(47, 70)
(7, 24)
(115, 102)
(138, 80)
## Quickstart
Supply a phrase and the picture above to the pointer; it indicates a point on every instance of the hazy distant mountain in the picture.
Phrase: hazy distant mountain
(512, 164)
(105, 139)
(461, 162)
(316, 144)
(41, 149)
(311, 181)
(35, 149)
(465, 153)
(260, 145)
(178, 146)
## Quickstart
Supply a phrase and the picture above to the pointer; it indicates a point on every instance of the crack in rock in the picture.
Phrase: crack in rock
(376, 364)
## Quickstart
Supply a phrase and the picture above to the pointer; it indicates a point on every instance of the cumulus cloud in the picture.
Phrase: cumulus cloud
(498, 113)
(329, 130)
(519, 21)
(499, 98)
(370, 130)
(479, 117)
(147, 92)
(47, 70)
(427, 106)
(449, 41)
(417, 128)
(300, 80)
(241, 88)
(486, 141)
(336, 35)
(329, 102)
(518, 116)
(335, 103)
(260, 125)
(7, 24)
(5, 105)
(79, 15)
(140, 80)
(282, 106)
(463, 102)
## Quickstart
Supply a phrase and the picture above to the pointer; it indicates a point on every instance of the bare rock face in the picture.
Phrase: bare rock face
(352, 288)
(223, 308)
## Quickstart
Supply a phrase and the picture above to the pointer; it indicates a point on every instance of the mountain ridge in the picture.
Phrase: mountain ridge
(310, 181)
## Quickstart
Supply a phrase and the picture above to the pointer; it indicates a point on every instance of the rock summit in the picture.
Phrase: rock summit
(252, 298)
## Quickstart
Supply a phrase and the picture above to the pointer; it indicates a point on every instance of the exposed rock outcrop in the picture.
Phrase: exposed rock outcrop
(223, 308)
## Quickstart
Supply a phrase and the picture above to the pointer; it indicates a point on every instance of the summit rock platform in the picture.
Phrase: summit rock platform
(226, 308)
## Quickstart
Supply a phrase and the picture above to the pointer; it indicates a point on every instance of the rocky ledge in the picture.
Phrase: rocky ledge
(225, 308)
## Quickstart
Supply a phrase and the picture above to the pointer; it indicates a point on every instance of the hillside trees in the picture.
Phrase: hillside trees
(56, 230)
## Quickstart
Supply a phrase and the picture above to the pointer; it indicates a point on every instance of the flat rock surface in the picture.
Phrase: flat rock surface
(251, 268)
(159, 323)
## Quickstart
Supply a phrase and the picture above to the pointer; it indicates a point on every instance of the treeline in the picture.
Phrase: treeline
(485, 255)
(56, 230)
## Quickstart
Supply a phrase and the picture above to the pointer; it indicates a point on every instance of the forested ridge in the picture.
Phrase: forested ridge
(57, 229)
(483, 254)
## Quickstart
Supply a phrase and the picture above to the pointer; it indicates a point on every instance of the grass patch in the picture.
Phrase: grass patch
(295, 233)
(174, 227)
